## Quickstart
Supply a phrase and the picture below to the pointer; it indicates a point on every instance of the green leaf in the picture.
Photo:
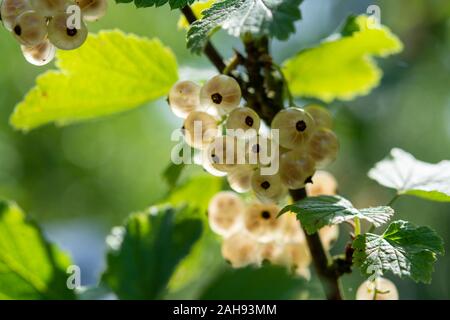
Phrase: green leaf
(205, 258)
(174, 4)
(30, 267)
(112, 72)
(317, 212)
(403, 249)
(342, 67)
(238, 17)
(145, 252)
(265, 283)
(172, 173)
(406, 174)
(197, 192)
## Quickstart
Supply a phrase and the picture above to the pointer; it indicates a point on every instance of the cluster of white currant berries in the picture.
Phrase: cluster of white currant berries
(252, 233)
(41, 26)
(235, 142)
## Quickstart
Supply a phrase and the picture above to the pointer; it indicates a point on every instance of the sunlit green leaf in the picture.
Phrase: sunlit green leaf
(342, 67)
(403, 249)
(205, 258)
(145, 252)
(238, 17)
(110, 73)
(406, 174)
(30, 267)
(317, 212)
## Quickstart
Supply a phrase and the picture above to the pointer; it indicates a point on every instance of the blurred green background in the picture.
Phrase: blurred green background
(81, 180)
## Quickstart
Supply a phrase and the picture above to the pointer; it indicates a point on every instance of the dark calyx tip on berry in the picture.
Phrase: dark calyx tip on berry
(71, 32)
(300, 125)
(309, 180)
(265, 215)
(265, 185)
(249, 121)
(216, 98)
(18, 30)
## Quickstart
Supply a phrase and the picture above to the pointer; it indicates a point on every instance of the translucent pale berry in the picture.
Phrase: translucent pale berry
(296, 255)
(200, 129)
(323, 183)
(380, 289)
(221, 153)
(295, 127)
(40, 54)
(63, 35)
(244, 122)
(290, 229)
(184, 97)
(49, 8)
(10, 10)
(261, 150)
(30, 28)
(222, 93)
(329, 235)
(271, 251)
(323, 147)
(240, 178)
(268, 187)
(322, 117)
(261, 221)
(92, 10)
(241, 250)
(225, 213)
(296, 168)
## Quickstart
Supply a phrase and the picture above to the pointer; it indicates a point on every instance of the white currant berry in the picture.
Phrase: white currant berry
(323, 147)
(296, 255)
(290, 229)
(322, 117)
(296, 168)
(208, 167)
(184, 97)
(262, 151)
(329, 235)
(40, 54)
(240, 178)
(221, 153)
(10, 10)
(200, 129)
(271, 251)
(244, 121)
(30, 28)
(295, 127)
(63, 36)
(92, 10)
(49, 8)
(261, 221)
(222, 93)
(380, 289)
(241, 250)
(268, 187)
(323, 184)
(225, 213)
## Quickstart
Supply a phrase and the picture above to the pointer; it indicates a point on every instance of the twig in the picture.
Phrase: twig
(323, 264)
(209, 50)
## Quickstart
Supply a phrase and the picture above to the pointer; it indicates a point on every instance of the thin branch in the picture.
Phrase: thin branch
(210, 51)
(323, 264)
